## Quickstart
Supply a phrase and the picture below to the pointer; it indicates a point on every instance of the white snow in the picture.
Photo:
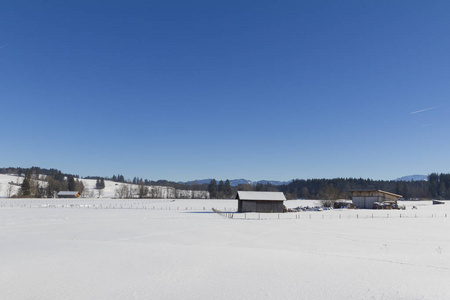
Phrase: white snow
(108, 192)
(179, 249)
(5, 184)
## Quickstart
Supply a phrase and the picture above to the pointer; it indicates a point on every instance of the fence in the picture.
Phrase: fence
(329, 216)
(159, 204)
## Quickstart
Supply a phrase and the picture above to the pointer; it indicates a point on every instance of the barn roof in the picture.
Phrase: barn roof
(260, 196)
(67, 193)
(379, 191)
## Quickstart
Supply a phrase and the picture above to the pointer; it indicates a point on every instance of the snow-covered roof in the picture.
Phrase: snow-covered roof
(379, 191)
(260, 196)
(67, 193)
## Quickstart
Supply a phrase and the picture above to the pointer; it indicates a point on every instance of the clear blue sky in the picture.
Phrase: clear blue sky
(184, 90)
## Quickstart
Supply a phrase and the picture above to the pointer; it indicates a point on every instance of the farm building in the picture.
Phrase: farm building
(265, 202)
(68, 194)
(368, 198)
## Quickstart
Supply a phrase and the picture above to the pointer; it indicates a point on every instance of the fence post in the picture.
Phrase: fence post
(259, 216)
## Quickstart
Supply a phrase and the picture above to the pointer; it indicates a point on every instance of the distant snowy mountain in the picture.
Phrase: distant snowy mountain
(274, 182)
(412, 177)
(236, 182)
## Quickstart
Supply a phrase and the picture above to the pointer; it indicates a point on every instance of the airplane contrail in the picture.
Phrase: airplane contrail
(3, 46)
(422, 110)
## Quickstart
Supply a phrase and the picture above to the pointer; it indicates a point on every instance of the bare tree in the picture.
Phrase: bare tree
(327, 203)
(99, 192)
(124, 191)
(9, 190)
(143, 190)
(85, 192)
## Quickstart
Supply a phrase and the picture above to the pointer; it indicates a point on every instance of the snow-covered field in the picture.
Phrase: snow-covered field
(179, 249)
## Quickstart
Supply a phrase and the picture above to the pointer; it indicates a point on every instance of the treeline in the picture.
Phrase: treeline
(439, 186)
(221, 190)
(339, 188)
(34, 171)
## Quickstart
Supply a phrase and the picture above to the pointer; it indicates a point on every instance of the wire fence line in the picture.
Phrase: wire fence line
(134, 205)
(330, 216)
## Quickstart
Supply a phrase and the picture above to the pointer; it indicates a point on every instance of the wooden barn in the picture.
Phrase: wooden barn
(265, 202)
(68, 194)
(368, 198)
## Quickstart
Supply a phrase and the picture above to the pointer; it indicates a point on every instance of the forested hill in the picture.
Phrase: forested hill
(436, 187)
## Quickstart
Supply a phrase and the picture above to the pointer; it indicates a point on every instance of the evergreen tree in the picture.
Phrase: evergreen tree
(25, 189)
(405, 193)
(100, 184)
(228, 192)
(212, 189)
(442, 189)
(221, 189)
(433, 184)
(71, 183)
(259, 187)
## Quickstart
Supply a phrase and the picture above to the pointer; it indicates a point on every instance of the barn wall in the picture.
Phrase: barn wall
(248, 206)
(367, 199)
(260, 206)
(364, 202)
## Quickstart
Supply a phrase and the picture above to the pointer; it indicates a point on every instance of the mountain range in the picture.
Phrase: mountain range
(236, 182)
(412, 177)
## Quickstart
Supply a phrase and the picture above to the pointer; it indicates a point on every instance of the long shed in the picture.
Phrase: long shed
(367, 198)
(68, 194)
(266, 202)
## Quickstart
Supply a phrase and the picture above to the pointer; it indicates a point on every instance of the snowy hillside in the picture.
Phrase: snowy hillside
(10, 185)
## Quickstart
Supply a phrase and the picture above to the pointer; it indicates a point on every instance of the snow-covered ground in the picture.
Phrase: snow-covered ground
(179, 249)
(110, 191)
